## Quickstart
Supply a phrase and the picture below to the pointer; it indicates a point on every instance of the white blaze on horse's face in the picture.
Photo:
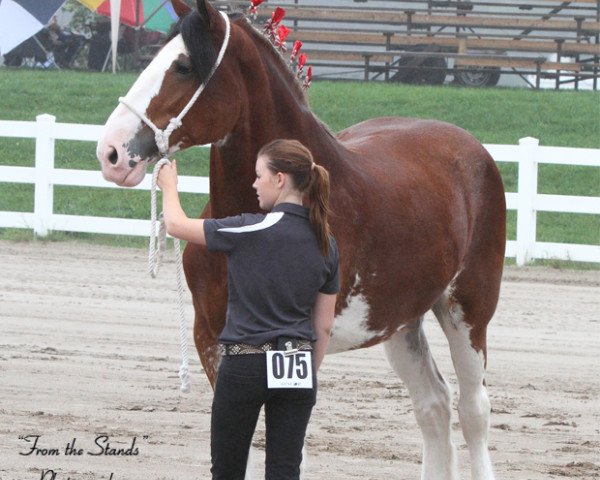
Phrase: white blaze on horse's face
(124, 150)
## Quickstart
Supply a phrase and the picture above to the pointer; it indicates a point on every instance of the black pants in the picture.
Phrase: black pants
(240, 392)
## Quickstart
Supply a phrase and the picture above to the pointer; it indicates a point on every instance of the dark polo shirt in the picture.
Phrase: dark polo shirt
(275, 270)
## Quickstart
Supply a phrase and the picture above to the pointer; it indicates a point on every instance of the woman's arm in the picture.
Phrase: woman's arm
(323, 313)
(176, 221)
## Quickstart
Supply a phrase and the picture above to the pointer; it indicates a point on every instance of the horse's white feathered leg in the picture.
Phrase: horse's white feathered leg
(250, 463)
(409, 355)
(303, 464)
(473, 404)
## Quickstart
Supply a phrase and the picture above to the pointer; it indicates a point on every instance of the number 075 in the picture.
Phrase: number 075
(285, 366)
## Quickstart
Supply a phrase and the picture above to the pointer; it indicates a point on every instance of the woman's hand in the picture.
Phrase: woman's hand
(323, 317)
(167, 177)
(177, 223)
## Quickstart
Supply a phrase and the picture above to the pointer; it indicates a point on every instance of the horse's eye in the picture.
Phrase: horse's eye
(183, 68)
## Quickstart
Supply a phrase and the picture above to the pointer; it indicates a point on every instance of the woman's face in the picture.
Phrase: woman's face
(266, 184)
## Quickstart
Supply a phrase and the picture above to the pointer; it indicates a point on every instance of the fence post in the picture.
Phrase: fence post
(43, 207)
(527, 190)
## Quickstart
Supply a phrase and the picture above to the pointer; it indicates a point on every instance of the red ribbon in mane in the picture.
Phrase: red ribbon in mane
(308, 78)
(278, 34)
(272, 24)
(282, 33)
(253, 10)
(295, 49)
(301, 63)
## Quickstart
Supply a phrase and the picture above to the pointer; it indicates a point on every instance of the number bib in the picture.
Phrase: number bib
(293, 370)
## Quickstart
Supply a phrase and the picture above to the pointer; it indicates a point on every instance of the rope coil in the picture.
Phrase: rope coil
(158, 244)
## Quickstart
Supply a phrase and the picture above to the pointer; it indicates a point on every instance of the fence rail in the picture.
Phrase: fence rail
(526, 201)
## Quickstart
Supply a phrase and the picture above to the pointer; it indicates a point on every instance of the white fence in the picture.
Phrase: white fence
(528, 154)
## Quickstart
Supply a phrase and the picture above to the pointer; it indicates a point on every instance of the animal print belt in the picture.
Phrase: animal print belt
(244, 348)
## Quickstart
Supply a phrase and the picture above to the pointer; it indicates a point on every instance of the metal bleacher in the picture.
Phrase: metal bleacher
(424, 41)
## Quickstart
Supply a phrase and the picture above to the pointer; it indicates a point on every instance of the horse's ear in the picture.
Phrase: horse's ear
(181, 8)
(205, 9)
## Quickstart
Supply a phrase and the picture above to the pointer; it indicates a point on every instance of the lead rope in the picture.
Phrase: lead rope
(158, 244)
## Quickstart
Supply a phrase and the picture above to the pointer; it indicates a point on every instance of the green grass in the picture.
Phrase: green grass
(497, 115)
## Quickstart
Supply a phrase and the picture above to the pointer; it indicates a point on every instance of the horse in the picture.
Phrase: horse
(418, 212)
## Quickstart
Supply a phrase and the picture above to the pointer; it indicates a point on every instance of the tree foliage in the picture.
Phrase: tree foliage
(82, 17)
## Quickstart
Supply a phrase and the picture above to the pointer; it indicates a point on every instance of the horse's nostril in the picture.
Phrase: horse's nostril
(113, 157)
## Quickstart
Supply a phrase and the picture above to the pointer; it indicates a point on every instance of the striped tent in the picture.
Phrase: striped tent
(21, 19)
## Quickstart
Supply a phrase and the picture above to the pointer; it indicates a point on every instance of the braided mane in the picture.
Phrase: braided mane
(280, 61)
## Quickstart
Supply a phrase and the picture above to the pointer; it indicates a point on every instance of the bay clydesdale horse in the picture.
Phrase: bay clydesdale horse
(418, 212)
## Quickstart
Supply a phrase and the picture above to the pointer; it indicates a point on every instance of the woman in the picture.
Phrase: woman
(283, 280)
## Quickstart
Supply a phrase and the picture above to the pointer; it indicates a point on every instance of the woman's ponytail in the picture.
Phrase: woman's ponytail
(318, 196)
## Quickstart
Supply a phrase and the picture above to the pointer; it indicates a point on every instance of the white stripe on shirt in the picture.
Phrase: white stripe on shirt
(269, 220)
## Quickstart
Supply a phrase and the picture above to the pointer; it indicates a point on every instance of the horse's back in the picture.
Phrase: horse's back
(423, 156)
(401, 139)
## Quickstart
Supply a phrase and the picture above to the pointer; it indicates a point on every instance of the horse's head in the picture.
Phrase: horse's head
(163, 91)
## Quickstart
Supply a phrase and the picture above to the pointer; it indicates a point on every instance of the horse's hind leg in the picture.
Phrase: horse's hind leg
(464, 321)
(409, 355)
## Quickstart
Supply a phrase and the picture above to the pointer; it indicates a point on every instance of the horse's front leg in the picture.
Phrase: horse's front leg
(206, 276)
(207, 348)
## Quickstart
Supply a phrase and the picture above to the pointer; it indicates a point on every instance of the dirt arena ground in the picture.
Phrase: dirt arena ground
(89, 349)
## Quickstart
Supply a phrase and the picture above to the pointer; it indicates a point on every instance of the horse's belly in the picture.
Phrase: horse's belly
(350, 327)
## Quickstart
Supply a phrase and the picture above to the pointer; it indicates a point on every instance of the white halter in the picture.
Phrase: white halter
(162, 136)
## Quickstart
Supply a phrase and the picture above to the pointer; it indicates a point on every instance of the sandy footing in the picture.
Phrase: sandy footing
(89, 351)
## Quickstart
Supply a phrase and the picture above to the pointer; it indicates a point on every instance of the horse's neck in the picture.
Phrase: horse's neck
(280, 115)
(232, 173)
